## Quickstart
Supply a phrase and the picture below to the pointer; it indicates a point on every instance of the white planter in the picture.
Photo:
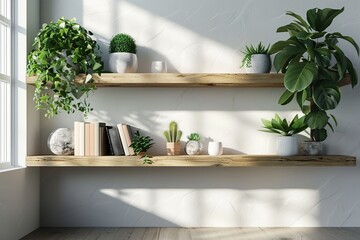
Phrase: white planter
(121, 62)
(193, 147)
(311, 148)
(260, 63)
(215, 148)
(287, 146)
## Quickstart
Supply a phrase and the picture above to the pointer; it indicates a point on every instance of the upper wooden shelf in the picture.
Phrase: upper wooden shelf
(190, 161)
(272, 80)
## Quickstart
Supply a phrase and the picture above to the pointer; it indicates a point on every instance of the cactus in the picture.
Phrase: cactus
(173, 135)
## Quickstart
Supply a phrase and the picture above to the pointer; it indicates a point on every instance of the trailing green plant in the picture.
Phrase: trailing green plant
(193, 137)
(314, 66)
(283, 127)
(173, 135)
(147, 159)
(62, 50)
(141, 143)
(122, 43)
(250, 51)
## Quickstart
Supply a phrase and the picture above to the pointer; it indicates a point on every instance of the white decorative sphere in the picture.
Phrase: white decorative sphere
(60, 141)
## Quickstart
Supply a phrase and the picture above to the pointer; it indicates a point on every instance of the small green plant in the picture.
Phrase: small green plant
(283, 127)
(193, 137)
(173, 135)
(147, 159)
(250, 51)
(122, 43)
(141, 143)
(62, 50)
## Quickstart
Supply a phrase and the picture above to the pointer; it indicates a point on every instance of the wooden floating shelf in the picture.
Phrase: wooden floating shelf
(272, 80)
(190, 161)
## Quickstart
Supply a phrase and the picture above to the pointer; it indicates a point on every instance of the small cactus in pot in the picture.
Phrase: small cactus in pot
(173, 136)
(193, 146)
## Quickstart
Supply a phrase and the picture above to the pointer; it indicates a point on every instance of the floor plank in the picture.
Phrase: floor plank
(335, 233)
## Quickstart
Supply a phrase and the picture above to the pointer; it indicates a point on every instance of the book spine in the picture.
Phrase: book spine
(128, 138)
(76, 139)
(123, 139)
(87, 139)
(111, 149)
(103, 146)
(81, 139)
(96, 140)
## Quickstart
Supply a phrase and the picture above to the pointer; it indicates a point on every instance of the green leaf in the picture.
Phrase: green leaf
(97, 66)
(301, 98)
(319, 135)
(341, 62)
(334, 119)
(327, 95)
(286, 97)
(299, 76)
(317, 120)
(302, 22)
(292, 27)
(352, 73)
(320, 19)
(347, 38)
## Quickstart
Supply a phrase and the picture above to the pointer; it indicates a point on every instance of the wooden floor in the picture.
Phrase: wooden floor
(195, 234)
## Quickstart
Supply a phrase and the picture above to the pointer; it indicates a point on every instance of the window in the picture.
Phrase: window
(5, 83)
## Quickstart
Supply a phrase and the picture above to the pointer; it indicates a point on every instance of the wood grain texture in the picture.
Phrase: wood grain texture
(195, 234)
(189, 161)
(272, 80)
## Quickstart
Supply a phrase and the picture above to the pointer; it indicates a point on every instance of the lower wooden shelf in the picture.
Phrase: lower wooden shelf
(190, 161)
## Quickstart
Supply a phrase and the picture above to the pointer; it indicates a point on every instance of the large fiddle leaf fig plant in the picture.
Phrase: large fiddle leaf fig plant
(314, 66)
(62, 50)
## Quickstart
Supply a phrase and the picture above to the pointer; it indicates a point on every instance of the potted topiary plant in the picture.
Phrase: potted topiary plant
(122, 57)
(256, 59)
(287, 143)
(314, 66)
(173, 137)
(193, 146)
(141, 143)
(62, 50)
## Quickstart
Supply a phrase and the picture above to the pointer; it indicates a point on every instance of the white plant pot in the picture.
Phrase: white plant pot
(287, 145)
(193, 147)
(260, 63)
(121, 62)
(215, 148)
(312, 148)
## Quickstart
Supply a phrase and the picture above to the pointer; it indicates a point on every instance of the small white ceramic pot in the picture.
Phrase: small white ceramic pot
(215, 148)
(158, 67)
(121, 62)
(287, 145)
(193, 147)
(260, 63)
(311, 148)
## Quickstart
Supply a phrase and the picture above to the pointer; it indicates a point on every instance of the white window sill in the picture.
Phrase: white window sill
(10, 169)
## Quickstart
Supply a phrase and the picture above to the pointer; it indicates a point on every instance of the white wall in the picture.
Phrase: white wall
(201, 36)
(20, 188)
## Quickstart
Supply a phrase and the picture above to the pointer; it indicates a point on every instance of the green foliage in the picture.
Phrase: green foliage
(122, 43)
(250, 51)
(62, 50)
(194, 137)
(173, 135)
(283, 127)
(314, 66)
(141, 143)
(147, 159)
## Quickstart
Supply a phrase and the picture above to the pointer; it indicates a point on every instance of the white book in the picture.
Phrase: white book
(123, 139)
(76, 139)
(96, 139)
(81, 139)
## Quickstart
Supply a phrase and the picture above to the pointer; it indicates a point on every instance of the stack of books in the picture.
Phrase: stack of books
(97, 139)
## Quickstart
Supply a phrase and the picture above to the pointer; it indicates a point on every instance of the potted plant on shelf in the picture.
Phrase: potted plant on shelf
(141, 143)
(314, 66)
(256, 59)
(173, 136)
(287, 143)
(193, 146)
(62, 50)
(123, 57)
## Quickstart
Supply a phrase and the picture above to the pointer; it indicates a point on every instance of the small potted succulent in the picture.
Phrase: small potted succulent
(287, 143)
(193, 146)
(63, 50)
(256, 59)
(123, 57)
(173, 136)
(141, 143)
(314, 65)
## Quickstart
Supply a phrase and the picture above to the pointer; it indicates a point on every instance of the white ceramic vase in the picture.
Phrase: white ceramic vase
(122, 62)
(215, 148)
(260, 63)
(287, 145)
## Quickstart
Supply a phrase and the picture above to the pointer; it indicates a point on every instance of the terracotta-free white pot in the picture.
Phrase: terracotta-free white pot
(215, 148)
(287, 145)
(121, 62)
(260, 63)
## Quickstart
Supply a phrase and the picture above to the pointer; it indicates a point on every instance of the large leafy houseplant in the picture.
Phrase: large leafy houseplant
(314, 66)
(62, 50)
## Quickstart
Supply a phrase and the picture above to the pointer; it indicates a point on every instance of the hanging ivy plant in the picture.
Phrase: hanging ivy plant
(62, 50)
